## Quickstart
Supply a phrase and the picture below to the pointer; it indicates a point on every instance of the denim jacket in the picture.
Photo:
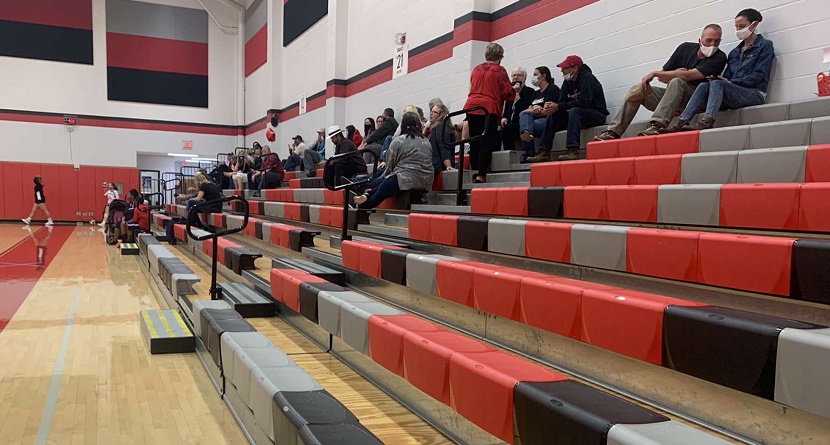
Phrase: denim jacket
(751, 69)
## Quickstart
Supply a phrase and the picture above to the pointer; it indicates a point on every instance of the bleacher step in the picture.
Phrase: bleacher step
(441, 208)
(441, 199)
(165, 332)
(384, 231)
(317, 270)
(247, 301)
(397, 219)
(489, 185)
(128, 248)
(502, 160)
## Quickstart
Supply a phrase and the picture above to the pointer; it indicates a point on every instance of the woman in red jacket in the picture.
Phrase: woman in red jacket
(489, 88)
(354, 135)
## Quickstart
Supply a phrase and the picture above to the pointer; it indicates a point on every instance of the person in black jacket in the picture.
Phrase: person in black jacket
(510, 117)
(581, 105)
(374, 141)
(441, 137)
(533, 120)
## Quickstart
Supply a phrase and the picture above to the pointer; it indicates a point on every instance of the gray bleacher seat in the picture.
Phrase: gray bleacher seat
(632, 130)
(146, 239)
(803, 358)
(810, 108)
(300, 195)
(198, 306)
(728, 118)
(599, 246)
(275, 209)
(710, 168)
(314, 214)
(780, 134)
(506, 236)
(248, 360)
(502, 160)
(760, 114)
(772, 165)
(421, 272)
(724, 139)
(234, 342)
(674, 433)
(820, 131)
(266, 382)
(689, 204)
(234, 221)
(354, 322)
(328, 308)
(182, 283)
(317, 196)
(266, 232)
(154, 252)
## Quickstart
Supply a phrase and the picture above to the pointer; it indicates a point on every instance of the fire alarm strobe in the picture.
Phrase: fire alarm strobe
(70, 121)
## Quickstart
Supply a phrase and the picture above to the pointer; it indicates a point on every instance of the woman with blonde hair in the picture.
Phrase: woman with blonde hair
(441, 137)
(489, 88)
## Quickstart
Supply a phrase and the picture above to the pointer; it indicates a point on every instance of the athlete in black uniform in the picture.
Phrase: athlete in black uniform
(40, 202)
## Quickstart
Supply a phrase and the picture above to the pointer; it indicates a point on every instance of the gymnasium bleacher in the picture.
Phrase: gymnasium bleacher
(646, 250)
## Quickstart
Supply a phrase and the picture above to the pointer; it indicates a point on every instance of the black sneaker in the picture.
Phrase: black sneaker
(607, 135)
(653, 129)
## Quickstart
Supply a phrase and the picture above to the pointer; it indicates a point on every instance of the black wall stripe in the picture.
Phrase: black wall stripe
(156, 87)
(301, 15)
(43, 42)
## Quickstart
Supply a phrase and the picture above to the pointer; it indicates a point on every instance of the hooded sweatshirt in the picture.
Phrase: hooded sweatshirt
(584, 92)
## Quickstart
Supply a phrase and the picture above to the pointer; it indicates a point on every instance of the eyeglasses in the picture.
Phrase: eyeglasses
(434, 112)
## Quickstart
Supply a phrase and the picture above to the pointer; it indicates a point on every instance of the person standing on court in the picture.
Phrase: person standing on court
(489, 88)
(40, 203)
(690, 65)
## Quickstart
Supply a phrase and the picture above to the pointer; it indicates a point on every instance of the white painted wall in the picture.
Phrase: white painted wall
(35, 85)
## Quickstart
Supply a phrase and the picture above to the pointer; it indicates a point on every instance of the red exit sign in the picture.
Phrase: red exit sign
(70, 120)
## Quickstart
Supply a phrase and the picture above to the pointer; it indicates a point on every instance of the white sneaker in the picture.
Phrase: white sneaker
(50, 223)
(102, 224)
(27, 221)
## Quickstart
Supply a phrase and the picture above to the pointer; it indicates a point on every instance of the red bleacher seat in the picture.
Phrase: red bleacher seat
(617, 171)
(668, 254)
(552, 305)
(677, 143)
(768, 206)
(388, 204)
(295, 183)
(336, 215)
(548, 241)
(289, 176)
(575, 173)
(512, 201)
(632, 203)
(438, 181)
(217, 219)
(455, 281)
(753, 263)
(293, 212)
(657, 170)
(586, 202)
(626, 322)
(419, 226)
(443, 229)
(483, 201)
(350, 253)
(325, 216)
(290, 286)
(496, 291)
(603, 149)
(370, 260)
(426, 359)
(386, 338)
(481, 388)
(179, 232)
(639, 146)
(813, 211)
(250, 229)
(818, 164)
(546, 175)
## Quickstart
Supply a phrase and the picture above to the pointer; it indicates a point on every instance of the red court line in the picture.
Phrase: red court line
(17, 282)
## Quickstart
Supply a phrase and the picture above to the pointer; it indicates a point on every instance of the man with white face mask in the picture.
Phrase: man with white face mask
(690, 65)
(743, 84)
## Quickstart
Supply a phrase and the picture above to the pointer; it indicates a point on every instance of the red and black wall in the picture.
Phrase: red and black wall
(300, 15)
(256, 36)
(59, 31)
(157, 54)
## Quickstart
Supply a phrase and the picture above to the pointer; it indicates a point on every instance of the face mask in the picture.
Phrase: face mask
(534, 81)
(745, 33)
(708, 50)
(568, 76)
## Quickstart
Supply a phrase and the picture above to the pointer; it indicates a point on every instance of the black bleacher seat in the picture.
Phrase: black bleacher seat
(340, 434)
(308, 297)
(472, 232)
(393, 265)
(294, 410)
(239, 259)
(217, 327)
(810, 278)
(546, 202)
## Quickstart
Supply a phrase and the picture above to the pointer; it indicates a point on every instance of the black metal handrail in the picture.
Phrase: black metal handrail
(214, 234)
(348, 185)
(460, 193)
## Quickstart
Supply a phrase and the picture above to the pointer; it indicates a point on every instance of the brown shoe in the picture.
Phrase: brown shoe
(705, 123)
(676, 128)
(607, 135)
(526, 136)
(543, 156)
(571, 155)
(653, 129)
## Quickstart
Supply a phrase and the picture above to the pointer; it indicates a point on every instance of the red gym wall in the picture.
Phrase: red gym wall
(70, 195)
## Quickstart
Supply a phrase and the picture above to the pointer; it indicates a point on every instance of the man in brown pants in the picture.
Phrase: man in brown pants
(691, 64)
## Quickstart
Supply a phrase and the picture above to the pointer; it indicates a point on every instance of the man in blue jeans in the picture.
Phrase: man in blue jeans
(581, 105)
(743, 84)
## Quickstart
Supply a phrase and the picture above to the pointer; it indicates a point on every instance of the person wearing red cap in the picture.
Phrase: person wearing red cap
(581, 105)
(691, 64)
(489, 88)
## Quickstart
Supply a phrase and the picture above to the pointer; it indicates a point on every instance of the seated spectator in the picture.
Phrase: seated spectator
(432, 103)
(206, 190)
(255, 165)
(421, 115)
(345, 167)
(532, 120)
(687, 68)
(743, 84)
(319, 145)
(374, 142)
(512, 110)
(296, 151)
(490, 88)
(272, 172)
(409, 166)
(354, 135)
(441, 138)
(239, 173)
(219, 174)
(137, 216)
(379, 120)
(368, 126)
(581, 105)
(311, 160)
